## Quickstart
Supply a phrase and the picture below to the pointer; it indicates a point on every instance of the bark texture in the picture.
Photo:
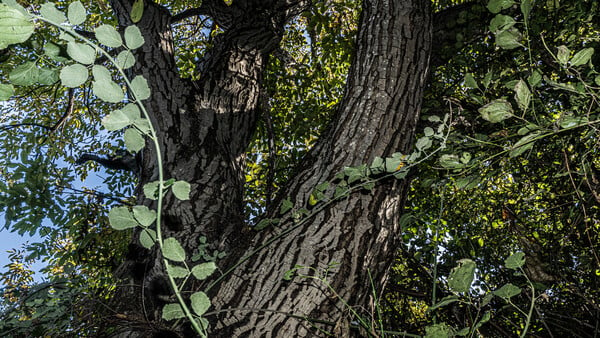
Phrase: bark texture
(204, 128)
(376, 118)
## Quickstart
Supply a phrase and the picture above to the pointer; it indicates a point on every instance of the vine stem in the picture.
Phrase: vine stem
(161, 188)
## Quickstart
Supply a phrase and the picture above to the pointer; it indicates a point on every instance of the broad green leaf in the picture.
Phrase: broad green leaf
(570, 121)
(526, 8)
(582, 57)
(6, 91)
(101, 73)
(440, 330)
(137, 11)
(496, 6)
(522, 95)
(108, 91)
(527, 129)
(465, 157)
(202, 271)
(177, 271)
(49, 11)
(140, 89)
(116, 120)
(181, 190)
(25, 74)
(424, 143)
(228, 2)
(120, 218)
(462, 276)
(81, 53)
(470, 81)
(428, 131)
(133, 37)
(147, 238)
(451, 162)
(172, 311)
(125, 59)
(54, 52)
(515, 261)
(15, 5)
(563, 54)
(73, 75)
(47, 76)
(132, 111)
(524, 144)
(200, 302)
(286, 205)
(443, 302)
(108, 36)
(509, 39)
(134, 141)
(173, 250)
(151, 190)
(507, 291)
(144, 215)
(14, 26)
(496, 111)
(501, 23)
(143, 125)
(76, 13)
(486, 318)
(535, 78)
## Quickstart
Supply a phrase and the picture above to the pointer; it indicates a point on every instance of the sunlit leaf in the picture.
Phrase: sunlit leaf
(6, 91)
(73, 75)
(108, 35)
(81, 53)
(172, 311)
(121, 218)
(202, 271)
(14, 26)
(200, 302)
(181, 190)
(134, 141)
(76, 13)
(515, 261)
(507, 291)
(49, 11)
(133, 37)
(144, 215)
(173, 250)
(108, 91)
(139, 86)
(462, 276)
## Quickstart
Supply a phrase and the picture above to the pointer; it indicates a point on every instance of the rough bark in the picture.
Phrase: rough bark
(376, 118)
(204, 128)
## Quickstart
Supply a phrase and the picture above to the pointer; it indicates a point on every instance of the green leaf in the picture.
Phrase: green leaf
(462, 276)
(582, 57)
(571, 121)
(563, 54)
(495, 6)
(424, 143)
(47, 76)
(501, 23)
(202, 271)
(151, 190)
(120, 218)
(524, 144)
(526, 8)
(76, 13)
(133, 37)
(6, 91)
(108, 36)
(143, 125)
(515, 261)
(451, 162)
(55, 52)
(181, 190)
(509, 39)
(125, 59)
(200, 302)
(49, 11)
(108, 91)
(443, 302)
(496, 111)
(25, 74)
(132, 111)
(73, 75)
(137, 11)
(440, 330)
(535, 78)
(286, 205)
(486, 318)
(134, 141)
(116, 120)
(172, 311)
(101, 73)
(507, 291)
(15, 27)
(522, 95)
(177, 271)
(144, 215)
(470, 81)
(140, 89)
(173, 250)
(147, 238)
(81, 53)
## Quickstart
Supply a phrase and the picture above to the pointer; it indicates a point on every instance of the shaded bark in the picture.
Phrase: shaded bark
(204, 128)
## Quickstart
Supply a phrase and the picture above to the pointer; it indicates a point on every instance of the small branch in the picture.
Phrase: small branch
(188, 13)
(24, 124)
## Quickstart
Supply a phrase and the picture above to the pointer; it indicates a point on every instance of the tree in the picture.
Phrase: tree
(324, 237)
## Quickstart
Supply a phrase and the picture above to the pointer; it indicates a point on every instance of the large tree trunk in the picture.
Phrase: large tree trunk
(204, 129)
